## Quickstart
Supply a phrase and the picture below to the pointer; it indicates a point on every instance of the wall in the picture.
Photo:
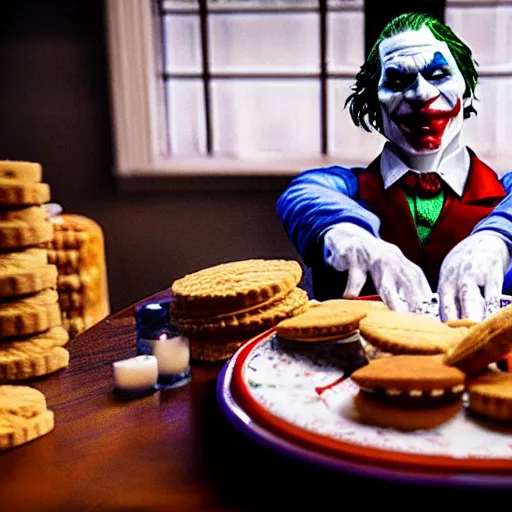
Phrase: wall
(54, 109)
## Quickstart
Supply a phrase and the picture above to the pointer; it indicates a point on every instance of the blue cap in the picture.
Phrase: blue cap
(151, 315)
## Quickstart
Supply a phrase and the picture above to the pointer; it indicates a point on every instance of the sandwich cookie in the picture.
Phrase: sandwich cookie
(408, 392)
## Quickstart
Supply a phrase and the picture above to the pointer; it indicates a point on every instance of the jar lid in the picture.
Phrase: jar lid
(151, 315)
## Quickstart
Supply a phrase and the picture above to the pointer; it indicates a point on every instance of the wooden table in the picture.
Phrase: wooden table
(172, 450)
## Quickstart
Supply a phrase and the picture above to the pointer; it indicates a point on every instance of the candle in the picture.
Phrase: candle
(173, 356)
(137, 375)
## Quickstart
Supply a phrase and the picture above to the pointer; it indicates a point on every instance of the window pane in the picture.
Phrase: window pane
(186, 117)
(345, 45)
(183, 43)
(346, 140)
(487, 30)
(261, 4)
(266, 117)
(488, 133)
(180, 4)
(264, 43)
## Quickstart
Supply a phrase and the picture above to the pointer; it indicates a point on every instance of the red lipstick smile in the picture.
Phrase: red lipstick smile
(424, 129)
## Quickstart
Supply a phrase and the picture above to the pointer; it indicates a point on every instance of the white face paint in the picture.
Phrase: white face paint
(420, 91)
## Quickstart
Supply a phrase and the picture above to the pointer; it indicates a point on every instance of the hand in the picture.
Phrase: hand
(401, 284)
(472, 276)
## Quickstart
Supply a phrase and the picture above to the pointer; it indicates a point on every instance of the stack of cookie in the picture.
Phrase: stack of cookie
(78, 251)
(31, 336)
(221, 307)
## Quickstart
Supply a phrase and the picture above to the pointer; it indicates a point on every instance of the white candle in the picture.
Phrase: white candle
(136, 374)
(173, 355)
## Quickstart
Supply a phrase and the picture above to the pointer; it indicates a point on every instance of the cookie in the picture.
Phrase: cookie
(407, 333)
(241, 326)
(29, 281)
(21, 193)
(67, 261)
(408, 392)
(410, 379)
(23, 401)
(30, 315)
(461, 322)
(207, 351)
(326, 321)
(233, 287)
(483, 344)
(15, 431)
(21, 171)
(34, 356)
(18, 261)
(491, 396)
(23, 415)
(402, 418)
(18, 234)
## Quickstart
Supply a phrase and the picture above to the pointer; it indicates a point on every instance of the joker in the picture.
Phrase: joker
(426, 214)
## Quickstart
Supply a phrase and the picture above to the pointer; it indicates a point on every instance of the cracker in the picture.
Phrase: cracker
(20, 193)
(491, 396)
(234, 286)
(30, 315)
(483, 344)
(21, 171)
(328, 320)
(408, 333)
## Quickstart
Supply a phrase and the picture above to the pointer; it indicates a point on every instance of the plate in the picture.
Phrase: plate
(300, 405)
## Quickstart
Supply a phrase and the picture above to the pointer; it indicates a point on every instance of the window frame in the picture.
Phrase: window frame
(140, 126)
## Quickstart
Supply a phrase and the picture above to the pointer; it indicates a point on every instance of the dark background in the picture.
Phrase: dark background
(55, 109)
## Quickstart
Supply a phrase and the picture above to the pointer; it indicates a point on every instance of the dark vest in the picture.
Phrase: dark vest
(482, 193)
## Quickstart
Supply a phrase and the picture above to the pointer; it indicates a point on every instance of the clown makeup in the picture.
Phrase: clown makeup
(421, 92)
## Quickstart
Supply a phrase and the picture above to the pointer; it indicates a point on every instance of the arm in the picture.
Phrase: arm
(499, 221)
(328, 226)
(318, 199)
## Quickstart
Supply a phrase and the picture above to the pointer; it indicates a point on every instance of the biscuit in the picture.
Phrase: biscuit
(234, 286)
(491, 396)
(15, 431)
(483, 344)
(30, 315)
(23, 415)
(30, 214)
(240, 326)
(34, 356)
(411, 378)
(408, 392)
(21, 193)
(18, 261)
(461, 322)
(23, 401)
(21, 171)
(329, 320)
(207, 351)
(403, 418)
(407, 333)
(17, 234)
(29, 281)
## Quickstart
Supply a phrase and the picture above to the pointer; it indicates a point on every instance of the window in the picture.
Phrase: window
(486, 25)
(239, 86)
(258, 87)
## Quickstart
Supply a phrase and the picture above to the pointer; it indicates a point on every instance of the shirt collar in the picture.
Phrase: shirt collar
(453, 169)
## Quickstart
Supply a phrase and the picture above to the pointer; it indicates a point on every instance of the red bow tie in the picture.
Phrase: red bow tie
(423, 185)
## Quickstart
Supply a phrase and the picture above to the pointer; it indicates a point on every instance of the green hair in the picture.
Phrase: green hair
(363, 103)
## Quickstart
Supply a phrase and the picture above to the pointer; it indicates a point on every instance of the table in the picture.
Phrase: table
(172, 450)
